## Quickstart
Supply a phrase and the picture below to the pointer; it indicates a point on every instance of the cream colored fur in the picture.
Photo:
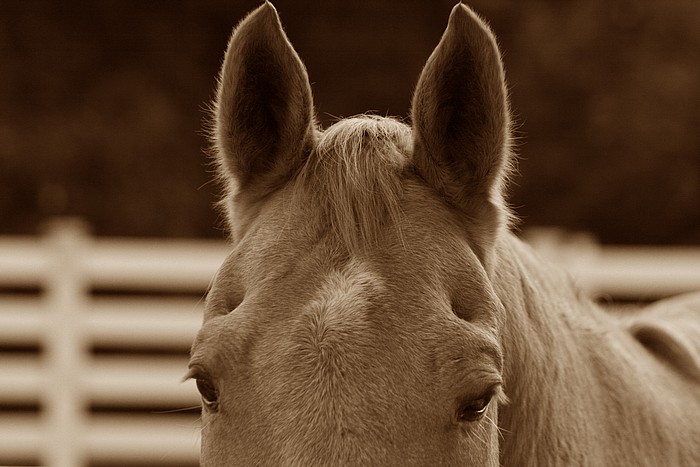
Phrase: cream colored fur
(374, 294)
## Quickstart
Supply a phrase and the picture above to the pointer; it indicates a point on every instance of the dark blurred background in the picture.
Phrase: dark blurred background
(102, 105)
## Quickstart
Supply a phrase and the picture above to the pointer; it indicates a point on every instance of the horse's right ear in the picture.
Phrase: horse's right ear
(264, 124)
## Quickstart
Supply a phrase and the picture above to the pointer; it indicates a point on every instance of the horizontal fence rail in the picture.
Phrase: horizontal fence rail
(620, 272)
(94, 335)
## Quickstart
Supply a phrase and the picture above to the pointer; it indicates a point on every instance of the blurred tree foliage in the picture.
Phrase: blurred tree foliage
(102, 105)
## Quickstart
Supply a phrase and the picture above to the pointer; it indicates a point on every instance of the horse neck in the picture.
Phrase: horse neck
(569, 371)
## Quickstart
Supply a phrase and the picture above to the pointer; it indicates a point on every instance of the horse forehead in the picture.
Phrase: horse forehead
(345, 293)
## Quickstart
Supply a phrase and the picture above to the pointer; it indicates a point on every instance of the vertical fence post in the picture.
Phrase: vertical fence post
(66, 299)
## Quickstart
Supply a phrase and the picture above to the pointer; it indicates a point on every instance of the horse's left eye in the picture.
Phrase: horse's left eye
(474, 410)
(210, 396)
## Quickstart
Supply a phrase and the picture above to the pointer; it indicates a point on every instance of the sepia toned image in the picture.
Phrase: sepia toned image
(349, 233)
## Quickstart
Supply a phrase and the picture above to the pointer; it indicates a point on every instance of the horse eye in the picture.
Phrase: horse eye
(474, 410)
(210, 396)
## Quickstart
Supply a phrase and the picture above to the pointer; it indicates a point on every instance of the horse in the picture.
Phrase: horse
(377, 308)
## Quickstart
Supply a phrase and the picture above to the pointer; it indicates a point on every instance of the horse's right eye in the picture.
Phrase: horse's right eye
(210, 396)
(474, 410)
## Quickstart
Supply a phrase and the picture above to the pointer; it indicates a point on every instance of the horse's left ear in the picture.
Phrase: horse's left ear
(264, 124)
(461, 120)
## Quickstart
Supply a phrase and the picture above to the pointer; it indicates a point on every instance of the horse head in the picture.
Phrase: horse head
(354, 321)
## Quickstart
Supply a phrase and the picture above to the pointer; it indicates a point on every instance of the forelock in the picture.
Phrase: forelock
(354, 176)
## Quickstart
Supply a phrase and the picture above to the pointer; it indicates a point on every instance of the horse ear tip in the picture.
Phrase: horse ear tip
(462, 14)
(265, 12)
(269, 10)
(269, 7)
(459, 11)
(263, 20)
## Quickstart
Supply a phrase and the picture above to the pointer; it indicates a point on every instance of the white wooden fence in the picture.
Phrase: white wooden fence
(615, 272)
(50, 393)
(65, 403)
